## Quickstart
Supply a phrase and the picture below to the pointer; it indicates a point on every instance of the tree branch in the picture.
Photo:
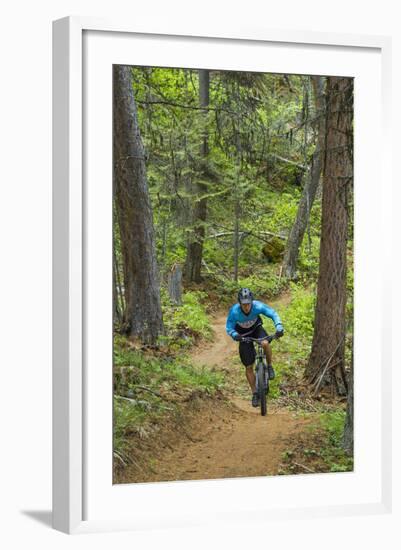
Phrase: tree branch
(288, 161)
(182, 106)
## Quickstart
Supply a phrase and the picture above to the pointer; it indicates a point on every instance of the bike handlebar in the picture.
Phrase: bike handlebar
(250, 339)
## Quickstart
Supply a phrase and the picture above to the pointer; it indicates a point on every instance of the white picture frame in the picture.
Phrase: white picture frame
(78, 41)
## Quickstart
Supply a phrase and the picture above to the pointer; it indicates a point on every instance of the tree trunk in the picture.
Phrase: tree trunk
(193, 261)
(326, 362)
(117, 291)
(236, 238)
(348, 437)
(237, 197)
(298, 229)
(142, 315)
(175, 285)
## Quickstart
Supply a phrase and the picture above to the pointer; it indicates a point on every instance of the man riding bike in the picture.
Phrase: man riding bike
(244, 319)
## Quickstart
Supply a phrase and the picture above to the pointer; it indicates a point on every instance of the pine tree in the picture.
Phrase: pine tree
(142, 315)
(326, 361)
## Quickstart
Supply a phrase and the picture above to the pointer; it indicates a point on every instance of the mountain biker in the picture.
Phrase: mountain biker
(244, 319)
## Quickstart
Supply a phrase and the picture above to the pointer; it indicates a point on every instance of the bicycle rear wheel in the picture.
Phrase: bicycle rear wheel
(262, 390)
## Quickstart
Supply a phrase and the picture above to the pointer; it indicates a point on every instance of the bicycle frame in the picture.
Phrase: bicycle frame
(261, 373)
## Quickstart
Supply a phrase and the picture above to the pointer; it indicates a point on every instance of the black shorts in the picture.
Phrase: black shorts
(247, 349)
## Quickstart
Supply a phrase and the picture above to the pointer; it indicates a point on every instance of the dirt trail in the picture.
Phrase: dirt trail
(231, 440)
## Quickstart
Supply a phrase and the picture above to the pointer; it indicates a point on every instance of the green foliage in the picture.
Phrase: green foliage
(186, 322)
(263, 280)
(244, 109)
(155, 371)
(170, 246)
(299, 315)
(333, 424)
(254, 122)
(263, 284)
(332, 452)
(128, 419)
(308, 261)
(285, 209)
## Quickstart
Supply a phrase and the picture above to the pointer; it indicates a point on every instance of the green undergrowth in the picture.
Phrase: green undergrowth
(264, 280)
(148, 388)
(319, 447)
(186, 323)
(298, 316)
(290, 353)
(333, 453)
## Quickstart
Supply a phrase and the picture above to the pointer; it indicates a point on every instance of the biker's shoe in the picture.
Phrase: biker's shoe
(271, 372)
(255, 400)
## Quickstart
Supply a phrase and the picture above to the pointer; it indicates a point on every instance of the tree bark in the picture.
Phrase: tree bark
(117, 291)
(348, 437)
(175, 285)
(298, 229)
(237, 211)
(327, 355)
(237, 196)
(142, 315)
(193, 261)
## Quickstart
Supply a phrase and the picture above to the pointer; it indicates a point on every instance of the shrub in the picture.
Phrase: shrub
(185, 322)
(299, 316)
(309, 256)
(333, 423)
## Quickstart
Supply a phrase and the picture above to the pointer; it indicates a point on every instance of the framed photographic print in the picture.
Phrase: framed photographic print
(214, 275)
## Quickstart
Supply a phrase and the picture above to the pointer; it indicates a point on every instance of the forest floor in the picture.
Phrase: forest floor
(224, 436)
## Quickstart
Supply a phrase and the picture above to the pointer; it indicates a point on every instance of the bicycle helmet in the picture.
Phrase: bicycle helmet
(245, 296)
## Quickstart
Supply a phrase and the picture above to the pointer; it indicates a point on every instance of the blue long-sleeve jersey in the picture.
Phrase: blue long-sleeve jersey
(237, 317)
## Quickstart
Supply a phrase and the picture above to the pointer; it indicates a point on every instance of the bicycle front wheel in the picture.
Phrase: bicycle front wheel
(262, 390)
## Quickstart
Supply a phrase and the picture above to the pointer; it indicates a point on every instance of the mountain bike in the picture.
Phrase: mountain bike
(261, 374)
